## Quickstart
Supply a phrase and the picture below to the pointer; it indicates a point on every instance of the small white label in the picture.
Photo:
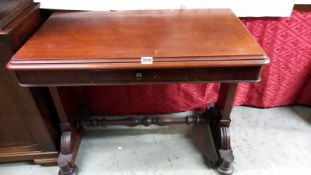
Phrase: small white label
(146, 60)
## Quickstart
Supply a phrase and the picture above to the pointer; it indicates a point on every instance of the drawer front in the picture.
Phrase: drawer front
(102, 77)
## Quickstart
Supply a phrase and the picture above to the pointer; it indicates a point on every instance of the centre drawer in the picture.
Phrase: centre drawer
(137, 76)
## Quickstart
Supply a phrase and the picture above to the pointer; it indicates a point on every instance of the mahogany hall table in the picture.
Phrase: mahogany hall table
(141, 47)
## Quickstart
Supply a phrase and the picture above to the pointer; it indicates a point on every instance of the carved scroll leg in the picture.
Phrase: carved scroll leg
(225, 152)
(65, 156)
(219, 123)
(70, 139)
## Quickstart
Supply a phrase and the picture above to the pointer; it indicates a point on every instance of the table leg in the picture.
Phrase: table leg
(70, 138)
(219, 118)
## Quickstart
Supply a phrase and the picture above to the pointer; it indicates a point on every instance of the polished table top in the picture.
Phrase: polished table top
(136, 47)
(119, 40)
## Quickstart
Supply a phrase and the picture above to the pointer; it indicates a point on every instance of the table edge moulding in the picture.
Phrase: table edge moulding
(140, 47)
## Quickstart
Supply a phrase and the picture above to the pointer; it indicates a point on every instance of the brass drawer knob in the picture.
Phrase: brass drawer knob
(139, 76)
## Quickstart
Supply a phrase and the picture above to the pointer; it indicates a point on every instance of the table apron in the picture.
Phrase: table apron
(138, 76)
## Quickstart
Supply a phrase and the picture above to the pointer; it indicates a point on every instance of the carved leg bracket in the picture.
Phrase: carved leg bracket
(221, 137)
(65, 159)
(70, 138)
(225, 151)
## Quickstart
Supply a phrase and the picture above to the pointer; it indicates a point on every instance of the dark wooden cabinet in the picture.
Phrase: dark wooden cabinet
(26, 128)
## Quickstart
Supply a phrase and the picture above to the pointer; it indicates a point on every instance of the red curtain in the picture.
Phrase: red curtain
(287, 80)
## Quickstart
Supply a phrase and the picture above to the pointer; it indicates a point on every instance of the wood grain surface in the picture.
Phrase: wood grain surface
(118, 40)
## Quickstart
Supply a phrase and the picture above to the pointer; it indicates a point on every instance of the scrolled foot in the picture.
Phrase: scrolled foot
(65, 157)
(221, 137)
(225, 168)
(224, 165)
(68, 171)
